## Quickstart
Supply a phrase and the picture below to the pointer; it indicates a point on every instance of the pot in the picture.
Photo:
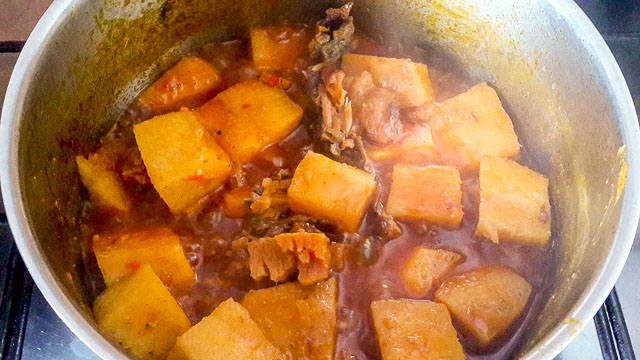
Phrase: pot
(86, 60)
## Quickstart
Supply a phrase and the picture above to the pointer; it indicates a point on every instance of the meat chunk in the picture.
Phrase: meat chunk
(298, 320)
(415, 330)
(378, 115)
(426, 267)
(280, 256)
(312, 252)
(266, 258)
(485, 300)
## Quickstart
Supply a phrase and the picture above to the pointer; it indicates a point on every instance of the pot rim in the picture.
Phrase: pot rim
(551, 345)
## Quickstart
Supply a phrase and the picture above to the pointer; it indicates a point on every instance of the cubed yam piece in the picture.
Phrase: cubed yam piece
(412, 330)
(183, 161)
(189, 83)
(227, 333)
(472, 125)
(278, 48)
(416, 145)
(312, 253)
(330, 190)
(104, 186)
(426, 267)
(299, 320)
(140, 315)
(268, 259)
(485, 301)
(233, 202)
(248, 117)
(514, 203)
(121, 254)
(427, 193)
(408, 79)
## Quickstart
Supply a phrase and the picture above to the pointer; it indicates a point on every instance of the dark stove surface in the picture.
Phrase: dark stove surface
(30, 329)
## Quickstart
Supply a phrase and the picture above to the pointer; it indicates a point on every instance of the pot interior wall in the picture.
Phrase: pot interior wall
(560, 108)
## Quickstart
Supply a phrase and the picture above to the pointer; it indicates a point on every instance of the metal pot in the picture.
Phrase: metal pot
(86, 60)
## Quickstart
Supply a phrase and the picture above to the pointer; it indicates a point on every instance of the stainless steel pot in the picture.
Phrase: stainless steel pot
(86, 60)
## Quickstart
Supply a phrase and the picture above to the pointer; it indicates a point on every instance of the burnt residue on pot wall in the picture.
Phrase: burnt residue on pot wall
(126, 44)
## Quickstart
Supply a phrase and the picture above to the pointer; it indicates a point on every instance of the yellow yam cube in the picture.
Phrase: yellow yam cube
(183, 161)
(331, 190)
(227, 334)
(120, 255)
(299, 320)
(415, 330)
(248, 117)
(472, 125)
(189, 83)
(104, 186)
(140, 315)
(408, 79)
(416, 145)
(266, 258)
(233, 202)
(278, 48)
(427, 193)
(485, 301)
(426, 267)
(514, 203)
(313, 254)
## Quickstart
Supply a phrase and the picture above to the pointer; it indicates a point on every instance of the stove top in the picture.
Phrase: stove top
(30, 329)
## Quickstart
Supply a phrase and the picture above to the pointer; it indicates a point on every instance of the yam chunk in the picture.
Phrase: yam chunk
(189, 83)
(140, 315)
(331, 190)
(415, 330)
(104, 186)
(416, 145)
(121, 254)
(472, 125)
(428, 193)
(426, 267)
(183, 161)
(408, 79)
(278, 48)
(514, 203)
(312, 253)
(266, 258)
(299, 320)
(249, 116)
(233, 202)
(227, 334)
(485, 301)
